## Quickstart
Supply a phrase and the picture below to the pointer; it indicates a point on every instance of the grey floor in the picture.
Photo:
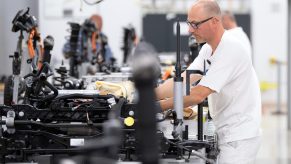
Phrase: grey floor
(276, 144)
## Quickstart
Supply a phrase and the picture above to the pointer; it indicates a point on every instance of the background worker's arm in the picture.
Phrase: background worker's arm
(197, 95)
(165, 90)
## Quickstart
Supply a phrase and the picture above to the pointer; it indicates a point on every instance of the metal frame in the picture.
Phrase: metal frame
(289, 66)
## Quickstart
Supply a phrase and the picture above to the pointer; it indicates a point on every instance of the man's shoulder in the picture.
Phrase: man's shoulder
(206, 47)
(205, 51)
(239, 33)
(231, 40)
(236, 29)
(233, 47)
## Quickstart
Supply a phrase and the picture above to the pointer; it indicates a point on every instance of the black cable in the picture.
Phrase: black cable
(179, 146)
(168, 113)
(189, 155)
(63, 136)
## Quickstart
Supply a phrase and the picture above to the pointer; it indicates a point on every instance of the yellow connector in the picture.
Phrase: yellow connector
(129, 121)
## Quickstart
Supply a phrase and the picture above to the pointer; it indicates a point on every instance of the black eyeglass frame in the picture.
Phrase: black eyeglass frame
(195, 25)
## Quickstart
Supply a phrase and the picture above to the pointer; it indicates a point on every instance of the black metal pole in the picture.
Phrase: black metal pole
(178, 63)
(188, 73)
(289, 67)
(200, 121)
(200, 106)
(178, 91)
(48, 43)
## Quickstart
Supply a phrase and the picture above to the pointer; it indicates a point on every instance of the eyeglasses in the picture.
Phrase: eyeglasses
(197, 24)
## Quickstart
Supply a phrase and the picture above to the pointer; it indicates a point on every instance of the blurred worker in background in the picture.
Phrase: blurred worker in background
(102, 40)
(229, 23)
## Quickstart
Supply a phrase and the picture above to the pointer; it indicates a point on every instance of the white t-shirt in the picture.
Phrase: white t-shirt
(239, 33)
(236, 103)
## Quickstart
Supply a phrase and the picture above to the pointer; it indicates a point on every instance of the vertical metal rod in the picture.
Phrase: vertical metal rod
(279, 87)
(16, 80)
(16, 69)
(289, 66)
(188, 74)
(200, 122)
(178, 90)
(178, 63)
(188, 85)
(279, 96)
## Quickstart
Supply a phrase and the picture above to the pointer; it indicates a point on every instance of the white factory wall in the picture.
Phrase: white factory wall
(269, 34)
(269, 28)
(116, 15)
(54, 22)
(8, 10)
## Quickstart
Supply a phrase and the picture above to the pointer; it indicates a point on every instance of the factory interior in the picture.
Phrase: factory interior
(145, 81)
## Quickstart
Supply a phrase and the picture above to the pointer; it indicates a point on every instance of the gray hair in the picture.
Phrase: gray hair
(229, 15)
(210, 7)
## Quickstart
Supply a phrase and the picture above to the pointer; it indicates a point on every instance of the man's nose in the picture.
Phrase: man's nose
(191, 30)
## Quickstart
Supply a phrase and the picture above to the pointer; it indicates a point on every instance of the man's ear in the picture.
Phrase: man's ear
(215, 20)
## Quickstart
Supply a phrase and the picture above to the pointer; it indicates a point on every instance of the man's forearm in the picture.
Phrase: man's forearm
(187, 101)
(167, 104)
(166, 89)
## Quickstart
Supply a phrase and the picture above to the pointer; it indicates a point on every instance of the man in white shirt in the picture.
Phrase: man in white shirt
(230, 84)
(229, 23)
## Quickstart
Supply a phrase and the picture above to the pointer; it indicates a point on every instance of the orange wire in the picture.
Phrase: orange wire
(40, 59)
(167, 74)
(35, 35)
(30, 43)
(93, 41)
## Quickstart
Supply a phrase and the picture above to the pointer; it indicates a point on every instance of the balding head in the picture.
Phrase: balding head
(228, 20)
(209, 7)
(205, 25)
